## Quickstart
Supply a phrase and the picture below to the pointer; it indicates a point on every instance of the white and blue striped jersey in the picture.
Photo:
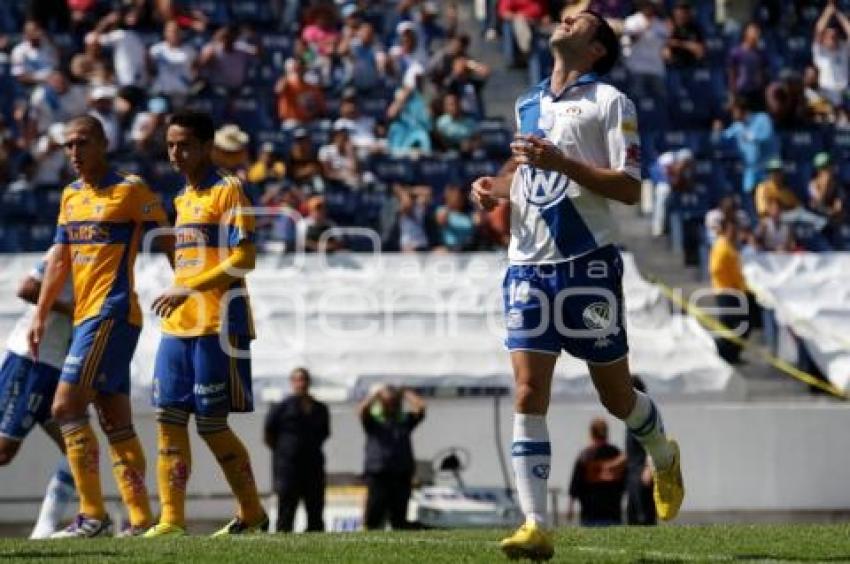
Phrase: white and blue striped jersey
(553, 218)
(57, 334)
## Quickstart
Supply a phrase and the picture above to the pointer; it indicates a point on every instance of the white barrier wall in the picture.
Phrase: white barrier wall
(433, 320)
(736, 456)
(810, 294)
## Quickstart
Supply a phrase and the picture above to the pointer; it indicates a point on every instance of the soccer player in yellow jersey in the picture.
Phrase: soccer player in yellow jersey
(203, 365)
(101, 220)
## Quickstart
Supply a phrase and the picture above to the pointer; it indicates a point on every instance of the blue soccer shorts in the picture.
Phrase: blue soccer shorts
(26, 395)
(575, 306)
(199, 375)
(100, 355)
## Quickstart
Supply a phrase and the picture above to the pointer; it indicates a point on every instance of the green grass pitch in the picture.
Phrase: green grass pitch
(727, 543)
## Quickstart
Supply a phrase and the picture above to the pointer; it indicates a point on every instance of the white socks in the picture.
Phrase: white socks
(60, 492)
(530, 455)
(646, 426)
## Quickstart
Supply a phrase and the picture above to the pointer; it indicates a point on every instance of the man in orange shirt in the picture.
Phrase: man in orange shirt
(101, 219)
(298, 100)
(727, 280)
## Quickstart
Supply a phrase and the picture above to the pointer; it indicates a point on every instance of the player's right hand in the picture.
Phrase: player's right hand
(34, 336)
(482, 193)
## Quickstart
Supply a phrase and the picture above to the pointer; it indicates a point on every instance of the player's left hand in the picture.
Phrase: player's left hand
(537, 152)
(170, 300)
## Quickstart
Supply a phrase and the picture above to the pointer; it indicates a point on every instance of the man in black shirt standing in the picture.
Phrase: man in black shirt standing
(389, 453)
(295, 430)
(598, 480)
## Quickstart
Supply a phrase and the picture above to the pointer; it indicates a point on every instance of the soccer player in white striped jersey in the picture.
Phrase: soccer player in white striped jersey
(577, 148)
(27, 386)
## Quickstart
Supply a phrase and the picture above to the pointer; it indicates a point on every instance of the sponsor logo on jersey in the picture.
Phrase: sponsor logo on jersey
(192, 236)
(88, 233)
(542, 187)
(514, 319)
(209, 389)
(541, 471)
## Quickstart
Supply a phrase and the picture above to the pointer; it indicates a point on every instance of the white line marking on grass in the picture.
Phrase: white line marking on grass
(655, 554)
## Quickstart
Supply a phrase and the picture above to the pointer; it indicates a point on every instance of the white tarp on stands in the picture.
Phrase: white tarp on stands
(809, 293)
(433, 320)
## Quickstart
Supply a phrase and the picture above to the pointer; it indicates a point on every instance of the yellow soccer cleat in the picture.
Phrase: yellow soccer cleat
(529, 541)
(669, 489)
(163, 530)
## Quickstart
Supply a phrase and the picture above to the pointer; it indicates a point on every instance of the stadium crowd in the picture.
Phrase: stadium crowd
(370, 113)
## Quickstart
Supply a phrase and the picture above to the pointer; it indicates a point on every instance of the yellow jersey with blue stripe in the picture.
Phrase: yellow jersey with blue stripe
(103, 226)
(211, 220)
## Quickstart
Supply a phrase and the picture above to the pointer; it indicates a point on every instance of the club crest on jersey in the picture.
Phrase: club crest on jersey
(542, 187)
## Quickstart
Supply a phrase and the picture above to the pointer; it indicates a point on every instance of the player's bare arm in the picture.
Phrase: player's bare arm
(488, 190)
(611, 184)
(55, 274)
(241, 261)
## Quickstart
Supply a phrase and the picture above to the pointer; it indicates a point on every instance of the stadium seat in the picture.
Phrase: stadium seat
(282, 139)
(276, 49)
(496, 142)
(472, 169)
(801, 145)
(252, 11)
(249, 113)
(390, 170)
(18, 205)
(41, 236)
(214, 10)
(437, 172)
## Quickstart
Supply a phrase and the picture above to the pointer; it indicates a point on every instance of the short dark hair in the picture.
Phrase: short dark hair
(302, 371)
(89, 122)
(199, 123)
(606, 36)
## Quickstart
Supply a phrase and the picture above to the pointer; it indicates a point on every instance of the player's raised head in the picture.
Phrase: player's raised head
(587, 36)
(189, 140)
(85, 143)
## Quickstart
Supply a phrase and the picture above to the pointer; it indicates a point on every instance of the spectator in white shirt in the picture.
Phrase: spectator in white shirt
(338, 158)
(361, 128)
(831, 53)
(173, 63)
(57, 100)
(49, 155)
(645, 36)
(102, 107)
(34, 58)
(128, 50)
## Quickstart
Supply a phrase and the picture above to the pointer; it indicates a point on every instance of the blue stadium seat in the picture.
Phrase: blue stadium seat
(839, 144)
(437, 172)
(14, 237)
(282, 139)
(251, 11)
(41, 236)
(496, 142)
(209, 103)
(472, 169)
(214, 10)
(249, 113)
(801, 145)
(47, 204)
(19, 205)
(276, 49)
(390, 170)
(651, 116)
